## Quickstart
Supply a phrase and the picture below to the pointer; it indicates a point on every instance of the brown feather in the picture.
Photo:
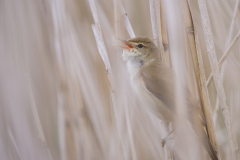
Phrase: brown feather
(157, 82)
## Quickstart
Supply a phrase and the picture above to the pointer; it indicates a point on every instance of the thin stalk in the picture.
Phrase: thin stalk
(134, 155)
(14, 144)
(163, 42)
(229, 39)
(224, 57)
(61, 125)
(37, 122)
(132, 35)
(103, 52)
(199, 70)
(233, 21)
(156, 24)
(59, 28)
(166, 56)
(157, 35)
(217, 78)
(154, 20)
(126, 20)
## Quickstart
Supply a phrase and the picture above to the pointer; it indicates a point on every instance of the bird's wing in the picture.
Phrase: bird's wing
(159, 80)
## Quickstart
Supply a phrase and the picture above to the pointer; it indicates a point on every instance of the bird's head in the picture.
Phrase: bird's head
(139, 48)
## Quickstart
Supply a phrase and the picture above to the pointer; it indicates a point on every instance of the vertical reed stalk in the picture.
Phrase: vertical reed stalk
(166, 56)
(157, 23)
(38, 123)
(19, 155)
(126, 20)
(225, 55)
(103, 52)
(217, 78)
(233, 22)
(65, 129)
(199, 70)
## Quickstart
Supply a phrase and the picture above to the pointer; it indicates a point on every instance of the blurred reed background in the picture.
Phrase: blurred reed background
(58, 102)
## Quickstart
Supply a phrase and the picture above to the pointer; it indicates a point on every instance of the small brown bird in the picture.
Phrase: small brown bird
(154, 82)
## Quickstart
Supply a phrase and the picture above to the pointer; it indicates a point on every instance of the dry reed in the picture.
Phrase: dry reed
(216, 76)
(65, 92)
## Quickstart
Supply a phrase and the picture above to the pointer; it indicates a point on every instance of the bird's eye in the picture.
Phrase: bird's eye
(140, 46)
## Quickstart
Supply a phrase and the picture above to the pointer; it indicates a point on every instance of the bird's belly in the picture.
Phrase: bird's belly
(151, 103)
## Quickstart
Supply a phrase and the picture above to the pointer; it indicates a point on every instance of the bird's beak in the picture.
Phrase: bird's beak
(129, 46)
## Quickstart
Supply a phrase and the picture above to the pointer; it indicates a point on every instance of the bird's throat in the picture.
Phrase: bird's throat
(134, 66)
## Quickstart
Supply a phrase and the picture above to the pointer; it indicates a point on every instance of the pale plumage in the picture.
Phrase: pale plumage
(154, 83)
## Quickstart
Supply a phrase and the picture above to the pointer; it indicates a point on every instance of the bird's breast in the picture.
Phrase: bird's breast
(152, 103)
(133, 67)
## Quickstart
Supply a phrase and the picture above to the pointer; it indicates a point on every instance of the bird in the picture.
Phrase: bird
(154, 83)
